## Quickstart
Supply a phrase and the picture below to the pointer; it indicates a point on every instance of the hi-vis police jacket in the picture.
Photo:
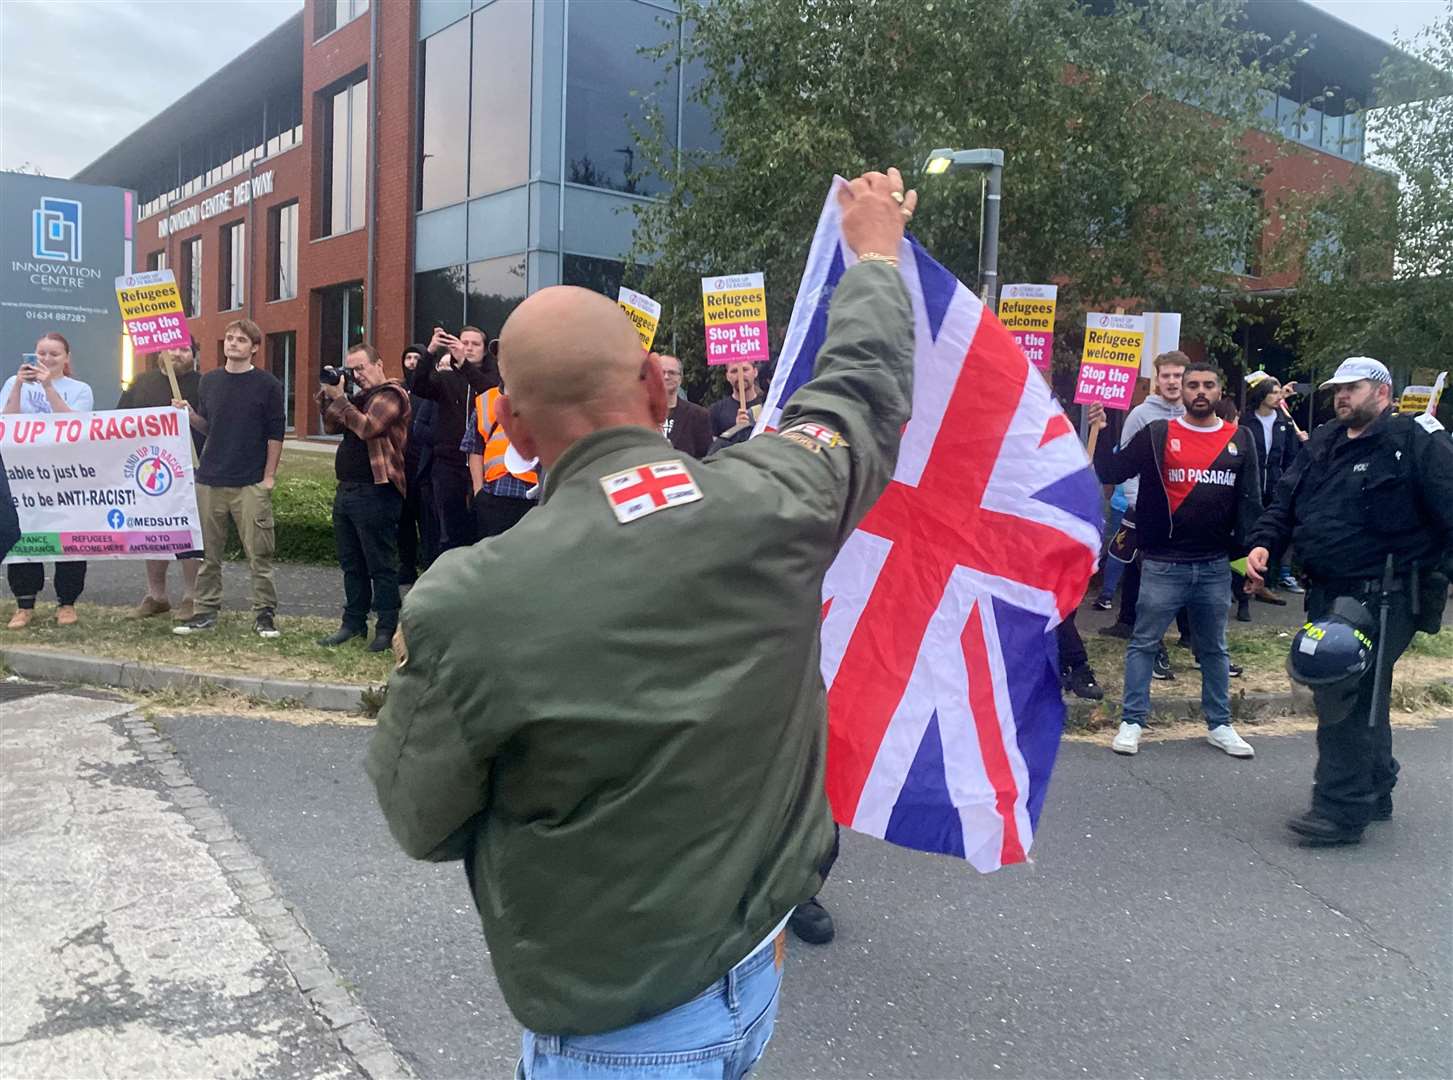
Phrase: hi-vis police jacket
(630, 756)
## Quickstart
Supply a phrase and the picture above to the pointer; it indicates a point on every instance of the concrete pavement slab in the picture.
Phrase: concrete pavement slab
(1167, 927)
(125, 952)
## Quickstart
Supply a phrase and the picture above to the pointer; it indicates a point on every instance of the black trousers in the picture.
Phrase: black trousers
(1071, 648)
(418, 529)
(1129, 592)
(1355, 766)
(365, 531)
(27, 579)
(494, 514)
(452, 497)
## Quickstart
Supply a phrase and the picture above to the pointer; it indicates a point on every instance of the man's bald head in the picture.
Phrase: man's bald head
(572, 363)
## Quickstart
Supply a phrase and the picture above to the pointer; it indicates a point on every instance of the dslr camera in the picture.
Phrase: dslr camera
(330, 375)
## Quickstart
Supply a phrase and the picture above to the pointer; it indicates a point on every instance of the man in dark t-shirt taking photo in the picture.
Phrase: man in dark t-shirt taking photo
(240, 410)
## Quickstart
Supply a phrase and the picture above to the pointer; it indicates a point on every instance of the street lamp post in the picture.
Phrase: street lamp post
(989, 164)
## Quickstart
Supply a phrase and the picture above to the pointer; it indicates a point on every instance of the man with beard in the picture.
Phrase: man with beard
(1372, 484)
(1200, 494)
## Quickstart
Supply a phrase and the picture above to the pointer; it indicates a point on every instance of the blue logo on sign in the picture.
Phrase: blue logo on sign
(116, 519)
(56, 230)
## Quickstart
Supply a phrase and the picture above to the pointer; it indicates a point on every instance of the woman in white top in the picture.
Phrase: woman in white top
(45, 386)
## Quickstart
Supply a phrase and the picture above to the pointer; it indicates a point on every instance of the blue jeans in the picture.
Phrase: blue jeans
(717, 1035)
(1110, 569)
(1204, 590)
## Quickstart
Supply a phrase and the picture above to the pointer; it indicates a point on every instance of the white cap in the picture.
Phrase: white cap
(1357, 368)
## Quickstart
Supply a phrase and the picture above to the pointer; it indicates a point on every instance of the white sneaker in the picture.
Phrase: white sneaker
(1127, 739)
(1225, 738)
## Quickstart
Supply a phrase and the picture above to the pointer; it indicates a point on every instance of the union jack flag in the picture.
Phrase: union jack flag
(938, 633)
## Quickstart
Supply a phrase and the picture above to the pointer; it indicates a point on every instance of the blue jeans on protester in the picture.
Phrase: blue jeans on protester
(717, 1035)
(1110, 569)
(1204, 590)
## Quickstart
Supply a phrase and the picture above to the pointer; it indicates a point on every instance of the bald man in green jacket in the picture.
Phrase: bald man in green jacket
(614, 713)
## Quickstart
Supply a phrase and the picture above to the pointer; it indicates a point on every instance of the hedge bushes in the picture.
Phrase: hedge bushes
(302, 509)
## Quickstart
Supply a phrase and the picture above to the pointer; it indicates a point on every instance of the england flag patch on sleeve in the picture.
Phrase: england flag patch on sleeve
(635, 493)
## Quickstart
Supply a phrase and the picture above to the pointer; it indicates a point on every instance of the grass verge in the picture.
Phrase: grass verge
(302, 509)
(231, 649)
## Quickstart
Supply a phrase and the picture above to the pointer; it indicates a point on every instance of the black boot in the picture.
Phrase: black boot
(383, 639)
(1080, 681)
(1382, 809)
(1318, 830)
(1243, 610)
(342, 634)
(812, 923)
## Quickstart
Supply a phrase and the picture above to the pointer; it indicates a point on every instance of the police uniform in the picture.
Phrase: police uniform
(630, 757)
(1347, 504)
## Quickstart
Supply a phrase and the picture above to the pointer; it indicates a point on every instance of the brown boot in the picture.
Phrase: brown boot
(21, 619)
(65, 615)
(151, 606)
(184, 611)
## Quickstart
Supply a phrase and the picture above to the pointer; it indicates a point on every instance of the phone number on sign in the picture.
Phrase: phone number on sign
(55, 316)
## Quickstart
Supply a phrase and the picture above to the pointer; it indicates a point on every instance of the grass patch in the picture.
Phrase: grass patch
(1262, 651)
(231, 649)
(302, 509)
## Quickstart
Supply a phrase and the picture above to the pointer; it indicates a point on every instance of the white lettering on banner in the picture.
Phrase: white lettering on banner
(114, 484)
(212, 205)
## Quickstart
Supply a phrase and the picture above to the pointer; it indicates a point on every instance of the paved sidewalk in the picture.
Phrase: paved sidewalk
(124, 950)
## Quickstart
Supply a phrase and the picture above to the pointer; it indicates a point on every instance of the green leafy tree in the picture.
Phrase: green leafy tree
(1126, 175)
(1375, 258)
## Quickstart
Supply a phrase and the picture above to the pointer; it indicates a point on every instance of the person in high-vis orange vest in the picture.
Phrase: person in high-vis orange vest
(501, 497)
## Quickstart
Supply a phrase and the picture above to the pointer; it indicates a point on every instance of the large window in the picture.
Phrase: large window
(191, 277)
(609, 87)
(156, 260)
(479, 294)
(283, 252)
(443, 155)
(233, 250)
(331, 14)
(282, 362)
(345, 160)
(475, 105)
(499, 125)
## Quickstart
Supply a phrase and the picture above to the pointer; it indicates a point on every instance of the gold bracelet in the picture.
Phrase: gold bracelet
(874, 256)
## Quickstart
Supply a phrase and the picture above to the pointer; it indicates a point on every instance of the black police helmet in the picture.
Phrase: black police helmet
(1332, 649)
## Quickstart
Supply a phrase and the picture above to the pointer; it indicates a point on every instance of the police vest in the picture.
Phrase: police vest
(495, 442)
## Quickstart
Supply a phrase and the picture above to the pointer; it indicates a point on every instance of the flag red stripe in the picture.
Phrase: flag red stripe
(991, 735)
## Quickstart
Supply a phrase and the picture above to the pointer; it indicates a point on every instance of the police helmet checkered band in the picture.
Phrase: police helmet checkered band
(1357, 368)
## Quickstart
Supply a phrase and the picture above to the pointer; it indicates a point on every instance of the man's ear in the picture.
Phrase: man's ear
(517, 429)
(656, 399)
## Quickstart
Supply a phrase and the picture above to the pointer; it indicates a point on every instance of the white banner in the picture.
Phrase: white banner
(109, 485)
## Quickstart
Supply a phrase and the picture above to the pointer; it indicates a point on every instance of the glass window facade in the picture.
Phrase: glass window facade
(156, 260)
(345, 160)
(478, 294)
(331, 14)
(609, 86)
(283, 259)
(191, 276)
(443, 149)
(499, 114)
(1310, 126)
(233, 278)
(282, 363)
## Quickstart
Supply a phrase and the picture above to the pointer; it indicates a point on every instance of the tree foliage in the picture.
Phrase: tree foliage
(1126, 177)
(1375, 257)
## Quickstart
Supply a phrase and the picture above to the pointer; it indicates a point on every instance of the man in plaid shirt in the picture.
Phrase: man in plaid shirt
(372, 483)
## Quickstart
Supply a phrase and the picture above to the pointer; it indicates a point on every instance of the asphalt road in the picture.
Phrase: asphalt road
(1166, 929)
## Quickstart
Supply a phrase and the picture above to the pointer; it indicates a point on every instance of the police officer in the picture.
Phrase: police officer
(1370, 484)
(629, 757)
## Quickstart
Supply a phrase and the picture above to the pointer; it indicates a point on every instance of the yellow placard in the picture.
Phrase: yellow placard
(735, 305)
(142, 301)
(1031, 315)
(1107, 345)
(644, 313)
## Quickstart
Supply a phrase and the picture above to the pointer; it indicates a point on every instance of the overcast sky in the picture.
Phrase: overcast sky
(78, 75)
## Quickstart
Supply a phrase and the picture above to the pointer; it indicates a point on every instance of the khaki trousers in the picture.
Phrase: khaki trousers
(251, 509)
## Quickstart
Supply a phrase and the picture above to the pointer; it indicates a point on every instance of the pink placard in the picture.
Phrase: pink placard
(1038, 348)
(736, 343)
(1113, 385)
